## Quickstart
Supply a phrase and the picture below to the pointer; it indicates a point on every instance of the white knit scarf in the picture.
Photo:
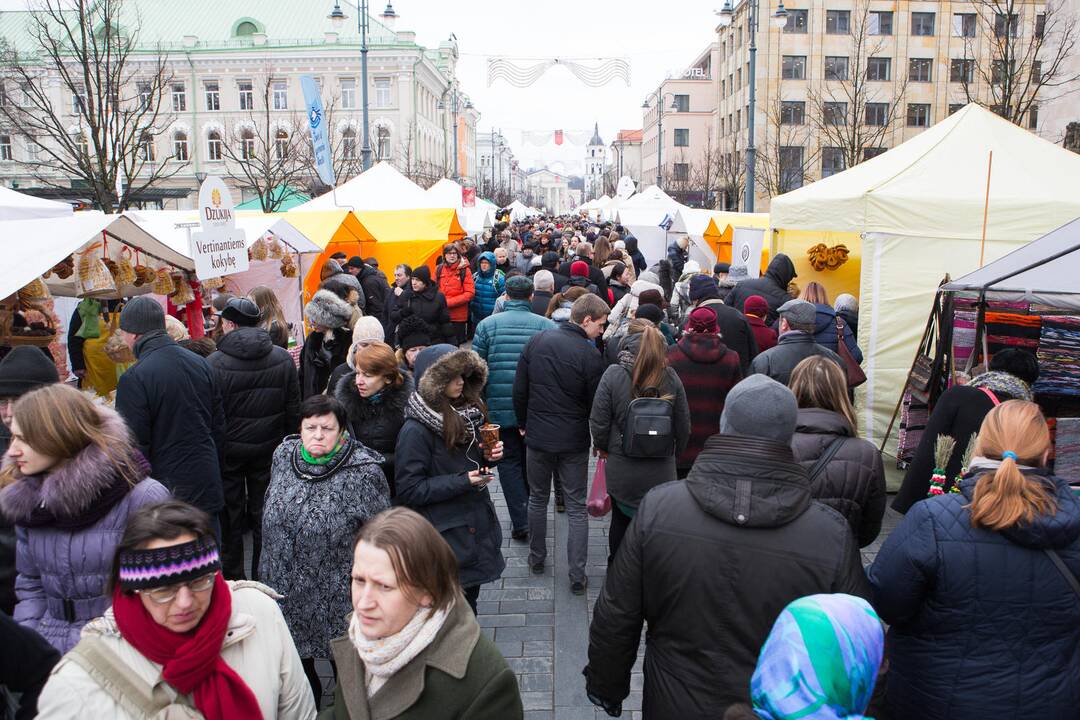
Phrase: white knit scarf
(384, 657)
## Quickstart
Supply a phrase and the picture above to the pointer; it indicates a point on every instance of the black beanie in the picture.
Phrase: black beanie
(25, 368)
(423, 274)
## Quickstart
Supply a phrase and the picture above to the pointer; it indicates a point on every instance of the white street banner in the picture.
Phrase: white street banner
(746, 245)
(219, 248)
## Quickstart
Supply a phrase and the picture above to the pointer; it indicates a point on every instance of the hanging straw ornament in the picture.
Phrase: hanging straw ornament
(274, 251)
(125, 271)
(65, 268)
(34, 291)
(143, 275)
(95, 280)
(258, 250)
(288, 267)
(163, 283)
(183, 293)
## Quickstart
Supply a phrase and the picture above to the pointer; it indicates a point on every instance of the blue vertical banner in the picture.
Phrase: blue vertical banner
(320, 140)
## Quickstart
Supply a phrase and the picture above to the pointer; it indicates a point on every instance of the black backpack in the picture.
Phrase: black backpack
(648, 432)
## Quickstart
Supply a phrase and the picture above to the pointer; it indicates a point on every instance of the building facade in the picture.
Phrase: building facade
(625, 160)
(499, 174)
(595, 160)
(235, 70)
(549, 191)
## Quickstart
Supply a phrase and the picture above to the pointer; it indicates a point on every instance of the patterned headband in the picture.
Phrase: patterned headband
(159, 567)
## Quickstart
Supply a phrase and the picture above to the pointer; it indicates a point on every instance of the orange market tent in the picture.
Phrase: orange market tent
(719, 232)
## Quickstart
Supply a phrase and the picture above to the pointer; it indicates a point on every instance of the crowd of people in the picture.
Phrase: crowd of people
(716, 408)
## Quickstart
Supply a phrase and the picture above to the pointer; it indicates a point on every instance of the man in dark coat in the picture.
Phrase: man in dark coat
(171, 401)
(796, 343)
(375, 287)
(734, 328)
(678, 252)
(261, 395)
(553, 393)
(773, 286)
(631, 246)
(23, 369)
(709, 563)
(550, 261)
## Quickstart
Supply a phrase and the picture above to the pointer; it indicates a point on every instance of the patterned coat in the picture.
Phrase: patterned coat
(310, 517)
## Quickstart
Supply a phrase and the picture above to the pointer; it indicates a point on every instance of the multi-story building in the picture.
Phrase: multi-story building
(498, 171)
(626, 158)
(678, 124)
(876, 71)
(550, 191)
(594, 165)
(230, 59)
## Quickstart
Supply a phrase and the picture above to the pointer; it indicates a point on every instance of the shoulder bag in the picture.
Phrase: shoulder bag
(855, 374)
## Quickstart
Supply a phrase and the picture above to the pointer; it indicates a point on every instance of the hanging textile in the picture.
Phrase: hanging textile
(1059, 356)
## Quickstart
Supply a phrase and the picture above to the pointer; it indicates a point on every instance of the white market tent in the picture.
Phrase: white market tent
(20, 206)
(642, 215)
(474, 220)
(162, 225)
(520, 211)
(919, 209)
(380, 188)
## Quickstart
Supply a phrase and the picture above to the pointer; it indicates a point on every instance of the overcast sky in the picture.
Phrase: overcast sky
(657, 38)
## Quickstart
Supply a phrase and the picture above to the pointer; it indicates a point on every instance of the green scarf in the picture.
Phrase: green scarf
(328, 456)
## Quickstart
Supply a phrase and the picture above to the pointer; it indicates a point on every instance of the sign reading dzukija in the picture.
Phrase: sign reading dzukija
(219, 248)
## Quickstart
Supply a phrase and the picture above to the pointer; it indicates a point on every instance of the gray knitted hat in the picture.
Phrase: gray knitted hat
(142, 315)
(760, 407)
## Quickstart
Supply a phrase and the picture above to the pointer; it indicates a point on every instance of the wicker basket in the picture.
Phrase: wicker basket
(115, 348)
(95, 280)
(163, 283)
(10, 337)
(125, 271)
(183, 293)
(257, 251)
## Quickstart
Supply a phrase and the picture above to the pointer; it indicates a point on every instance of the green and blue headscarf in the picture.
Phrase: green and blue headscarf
(820, 660)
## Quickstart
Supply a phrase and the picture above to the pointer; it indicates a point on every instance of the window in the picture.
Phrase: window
(791, 168)
(738, 120)
(213, 145)
(146, 148)
(922, 23)
(836, 67)
(213, 96)
(180, 148)
(145, 95)
(877, 114)
(834, 113)
(348, 144)
(961, 70)
(179, 97)
(281, 144)
(998, 72)
(793, 67)
(963, 25)
(731, 84)
(797, 21)
(281, 95)
(247, 94)
(1040, 25)
(382, 92)
(27, 94)
(348, 94)
(682, 171)
(837, 22)
(1036, 73)
(5, 148)
(382, 143)
(682, 137)
(919, 69)
(918, 115)
(873, 152)
(1006, 24)
(3, 94)
(723, 88)
(247, 144)
(792, 112)
(881, 23)
(832, 161)
(955, 107)
(1033, 117)
(738, 77)
(78, 101)
(246, 29)
(879, 69)
(33, 151)
(682, 103)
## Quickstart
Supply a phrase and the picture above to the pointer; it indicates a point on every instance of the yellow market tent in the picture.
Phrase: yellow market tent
(915, 213)
(720, 228)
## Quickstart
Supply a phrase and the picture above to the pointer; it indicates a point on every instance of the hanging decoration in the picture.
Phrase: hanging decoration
(522, 76)
(541, 138)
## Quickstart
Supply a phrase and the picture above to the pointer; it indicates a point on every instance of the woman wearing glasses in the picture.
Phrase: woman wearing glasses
(71, 478)
(179, 639)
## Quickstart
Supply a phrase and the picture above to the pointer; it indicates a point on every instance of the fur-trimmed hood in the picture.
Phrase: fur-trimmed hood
(465, 363)
(328, 310)
(72, 487)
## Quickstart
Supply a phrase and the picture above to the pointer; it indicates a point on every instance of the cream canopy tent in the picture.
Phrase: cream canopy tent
(380, 188)
(919, 208)
(642, 215)
(520, 211)
(447, 193)
(19, 206)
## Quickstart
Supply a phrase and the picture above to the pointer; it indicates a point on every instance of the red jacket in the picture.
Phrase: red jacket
(765, 335)
(457, 285)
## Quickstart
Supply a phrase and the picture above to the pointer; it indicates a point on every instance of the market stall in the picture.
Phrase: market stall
(712, 233)
(15, 205)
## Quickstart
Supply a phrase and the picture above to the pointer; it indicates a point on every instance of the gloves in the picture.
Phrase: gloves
(613, 709)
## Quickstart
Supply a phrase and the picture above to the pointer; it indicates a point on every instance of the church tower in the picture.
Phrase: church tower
(594, 165)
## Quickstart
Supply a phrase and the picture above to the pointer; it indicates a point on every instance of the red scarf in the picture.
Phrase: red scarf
(191, 661)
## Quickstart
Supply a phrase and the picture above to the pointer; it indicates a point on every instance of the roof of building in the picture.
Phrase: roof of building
(630, 136)
(596, 135)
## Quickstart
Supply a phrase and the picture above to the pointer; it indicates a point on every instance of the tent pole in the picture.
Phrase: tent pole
(1031, 266)
(986, 209)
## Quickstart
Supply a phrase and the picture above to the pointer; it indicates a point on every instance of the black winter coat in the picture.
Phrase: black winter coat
(430, 306)
(677, 257)
(375, 424)
(171, 401)
(375, 289)
(640, 265)
(735, 331)
(25, 665)
(596, 279)
(853, 482)
(791, 349)
(260, 391)
(540, 301)
(319, 357)
(983, 626)
(556, 380)
(772, 286)
(709, 563)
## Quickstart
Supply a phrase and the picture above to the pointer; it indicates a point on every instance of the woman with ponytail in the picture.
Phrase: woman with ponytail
(641, 371)
(981, 587)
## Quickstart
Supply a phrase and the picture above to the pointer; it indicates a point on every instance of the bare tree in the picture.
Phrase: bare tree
(106, 136)
(852, 110)
(730, 164)
(1015, 56)
(786, 156)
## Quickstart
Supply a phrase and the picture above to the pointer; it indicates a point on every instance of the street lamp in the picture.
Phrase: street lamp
(660, 95)
(778, 20)
(337, 19)
(453, 96)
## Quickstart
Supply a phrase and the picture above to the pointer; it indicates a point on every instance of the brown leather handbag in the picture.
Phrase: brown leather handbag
(855, 374)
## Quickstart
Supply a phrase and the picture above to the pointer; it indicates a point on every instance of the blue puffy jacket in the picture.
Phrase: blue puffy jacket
(825, 332)
(983, 625)
(489, 286)
(499, 340)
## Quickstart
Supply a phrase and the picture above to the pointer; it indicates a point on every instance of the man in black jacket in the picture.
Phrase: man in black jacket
(172, 404)
(261, 395)
(773, 287)
(375, 287)
(796, 343)
(553, 393)
(710, 562)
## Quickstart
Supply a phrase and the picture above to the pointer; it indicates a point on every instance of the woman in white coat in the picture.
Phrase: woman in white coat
(179, 641)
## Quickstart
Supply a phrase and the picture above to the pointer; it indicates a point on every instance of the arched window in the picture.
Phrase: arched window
(146, 148)
(281, 144)
(214, 148)
(382, 145)
(247, 144)
(348, 144)
(246, 29)
(180, 147)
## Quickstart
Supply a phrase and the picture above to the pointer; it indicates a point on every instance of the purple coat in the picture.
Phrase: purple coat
(58, 568)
